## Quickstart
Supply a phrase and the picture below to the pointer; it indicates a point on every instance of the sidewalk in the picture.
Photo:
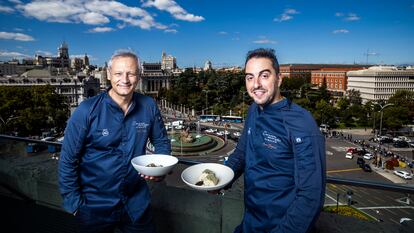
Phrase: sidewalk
(363, 132)
(388, 174)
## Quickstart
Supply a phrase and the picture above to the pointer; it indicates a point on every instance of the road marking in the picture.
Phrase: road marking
(344, 170)
(394, 221)
(333, 199)
(385, 207)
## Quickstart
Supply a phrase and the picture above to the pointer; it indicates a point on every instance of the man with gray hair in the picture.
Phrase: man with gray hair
(97, 182)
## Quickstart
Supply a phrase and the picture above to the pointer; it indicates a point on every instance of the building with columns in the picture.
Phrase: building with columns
(380, 82)
(157, 75)
(75, 88)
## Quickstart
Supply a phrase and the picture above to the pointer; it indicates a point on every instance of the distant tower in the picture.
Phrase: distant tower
(63, 51)
(208, 66)
(86, 60)
(168, 62)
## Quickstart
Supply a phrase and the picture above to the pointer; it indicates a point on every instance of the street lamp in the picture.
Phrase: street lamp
(243, 92)
(206, 91)
(382, 108)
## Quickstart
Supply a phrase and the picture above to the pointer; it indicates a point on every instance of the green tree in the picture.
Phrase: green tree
(30, 111)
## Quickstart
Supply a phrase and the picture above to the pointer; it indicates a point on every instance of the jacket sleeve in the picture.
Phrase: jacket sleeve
(158, 136)
(309, 155)
(236, 160)
(75, 134)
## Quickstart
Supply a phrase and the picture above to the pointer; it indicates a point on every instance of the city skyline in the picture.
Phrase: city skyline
(341, 32)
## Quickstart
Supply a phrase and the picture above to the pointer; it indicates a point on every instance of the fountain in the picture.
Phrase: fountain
(185, 143)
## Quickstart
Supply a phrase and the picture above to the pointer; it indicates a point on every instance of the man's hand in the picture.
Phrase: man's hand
(217, 192)
(153, 178)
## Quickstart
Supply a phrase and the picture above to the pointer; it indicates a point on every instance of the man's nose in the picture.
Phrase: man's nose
(257, 83)
(125, 77)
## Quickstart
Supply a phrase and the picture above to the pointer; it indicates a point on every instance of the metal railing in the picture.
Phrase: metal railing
(332, 180)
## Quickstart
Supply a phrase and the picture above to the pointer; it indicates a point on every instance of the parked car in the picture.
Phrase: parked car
(403, 174)
(349, 155)
(368, 156)
(401, 144)
(366, 168)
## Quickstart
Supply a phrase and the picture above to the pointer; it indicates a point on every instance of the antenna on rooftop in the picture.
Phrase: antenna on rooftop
(367, 55)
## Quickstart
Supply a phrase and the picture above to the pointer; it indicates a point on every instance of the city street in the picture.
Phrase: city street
(382, 205)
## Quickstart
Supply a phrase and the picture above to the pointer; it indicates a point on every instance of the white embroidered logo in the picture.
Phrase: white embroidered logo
(140, 126)
(270, 137)
(105, 132)
(298, 140)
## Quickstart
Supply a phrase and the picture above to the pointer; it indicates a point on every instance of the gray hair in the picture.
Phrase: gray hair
(125, 53)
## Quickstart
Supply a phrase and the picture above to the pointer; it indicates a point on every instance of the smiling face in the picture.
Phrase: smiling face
(123, 75)
(262, 81)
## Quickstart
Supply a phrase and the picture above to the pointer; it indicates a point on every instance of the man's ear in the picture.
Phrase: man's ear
(108, 74)
(279, 79)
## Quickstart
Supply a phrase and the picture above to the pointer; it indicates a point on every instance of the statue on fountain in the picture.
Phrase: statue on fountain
(185, 136)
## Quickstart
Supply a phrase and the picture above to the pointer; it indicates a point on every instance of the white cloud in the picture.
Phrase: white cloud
(93, 18)
(348, 17)
(264, 41)
(44, 53)
(18, 29)
(352, 17)
(340, 31)
(291, 11)
(101, 29)
(15, 36)
(91, 12)
(6, 9)
(286, 15)
(372, 54)
(13, 54)
(174, 9)
(170, 31)
(235, 38)
(53, 11)
(223, 33)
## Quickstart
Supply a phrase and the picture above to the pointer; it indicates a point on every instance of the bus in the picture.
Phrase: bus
(209, 118)
(232, 119)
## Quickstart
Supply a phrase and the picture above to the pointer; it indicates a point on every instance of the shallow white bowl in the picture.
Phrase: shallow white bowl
(167, 161)
(191, 174)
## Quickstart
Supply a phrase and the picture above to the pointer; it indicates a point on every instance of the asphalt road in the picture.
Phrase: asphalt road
(382, 205)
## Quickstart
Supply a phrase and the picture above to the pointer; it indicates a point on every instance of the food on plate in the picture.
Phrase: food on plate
(153, 165)
(207, 178)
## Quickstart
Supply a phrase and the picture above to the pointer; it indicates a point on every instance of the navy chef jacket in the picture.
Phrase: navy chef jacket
(95, 171)
(282, 155)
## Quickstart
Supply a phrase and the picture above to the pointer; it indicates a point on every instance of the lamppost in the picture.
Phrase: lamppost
(243, 92)
(206, 91)
(382, 108)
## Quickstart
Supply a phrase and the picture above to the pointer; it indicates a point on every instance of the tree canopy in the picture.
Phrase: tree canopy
(29, 111)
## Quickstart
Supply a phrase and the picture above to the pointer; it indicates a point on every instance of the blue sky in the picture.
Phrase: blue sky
(301, 31)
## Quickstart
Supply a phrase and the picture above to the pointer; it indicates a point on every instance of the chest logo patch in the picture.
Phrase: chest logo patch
(105, 132)
(140, 126)
(270, 138)
(298, 140)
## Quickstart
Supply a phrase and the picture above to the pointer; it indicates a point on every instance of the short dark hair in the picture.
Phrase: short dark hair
(263, 53)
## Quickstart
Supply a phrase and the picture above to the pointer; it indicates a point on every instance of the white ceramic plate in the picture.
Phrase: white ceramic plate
(191, 175)
(167, 161)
